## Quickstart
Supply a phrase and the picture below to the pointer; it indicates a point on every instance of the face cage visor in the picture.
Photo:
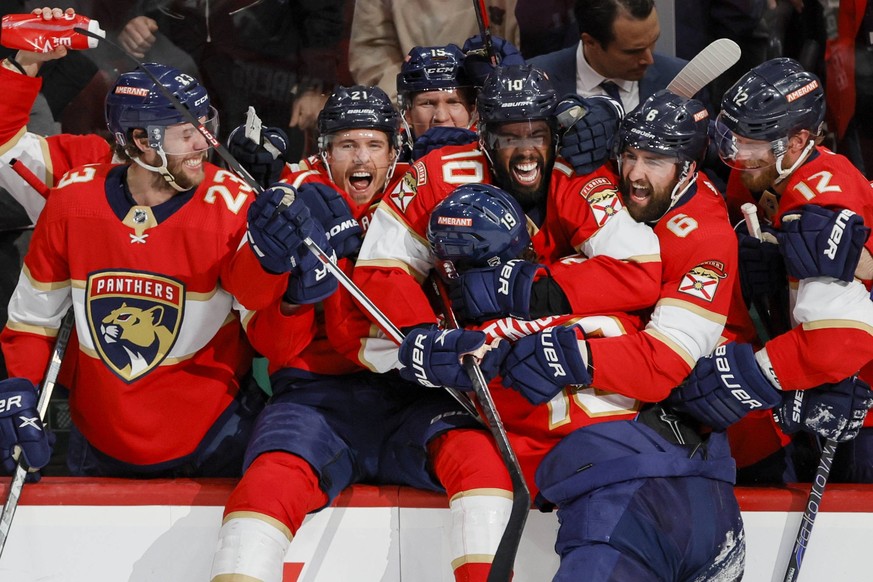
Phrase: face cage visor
(741, 153)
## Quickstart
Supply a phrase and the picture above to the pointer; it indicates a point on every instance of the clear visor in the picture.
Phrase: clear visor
(741, 153)
(655, 167)
(360, 146)
(184, 138)
(519, 137)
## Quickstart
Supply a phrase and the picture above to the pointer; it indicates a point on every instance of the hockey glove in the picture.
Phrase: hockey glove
(724, 387)
(477, 63)
(265, 160)
(327, 206)
(819, 242)
(432, 357)
(491, 292)
(540, 365)
(22, 434)
(588, 129)
(440, 136)
(761, 266)
(833, 411)
(276, 232)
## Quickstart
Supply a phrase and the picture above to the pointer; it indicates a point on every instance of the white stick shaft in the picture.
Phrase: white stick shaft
(719, 56)
(750, 214)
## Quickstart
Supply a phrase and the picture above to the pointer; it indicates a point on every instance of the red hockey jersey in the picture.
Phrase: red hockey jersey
(700, 306)
(834, 335)
(161, 351)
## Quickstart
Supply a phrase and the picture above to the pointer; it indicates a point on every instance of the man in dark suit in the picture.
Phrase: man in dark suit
(617, 40)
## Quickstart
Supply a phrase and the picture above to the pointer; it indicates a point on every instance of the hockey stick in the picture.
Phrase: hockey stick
(772, 312)
(504, 557)
(485, 30)
(313, 247)
(48, 386)
(811, 510)
(716, 58)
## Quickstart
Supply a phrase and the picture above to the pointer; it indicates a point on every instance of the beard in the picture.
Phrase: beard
(528, 196)
(759, 180)
(186, 178)
(655, 205)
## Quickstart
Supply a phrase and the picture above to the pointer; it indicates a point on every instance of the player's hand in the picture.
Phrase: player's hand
(32, 61)
(264, 160)
(327, 206)
(820, 242)
(724, 387)
(588, 128)
(761, 266)
(138, 36)
(833, 411)
(440, 136)
(432, 357)
(541, 364)
(277, 229)
(477, 64)
(491, 292)
(22, 434)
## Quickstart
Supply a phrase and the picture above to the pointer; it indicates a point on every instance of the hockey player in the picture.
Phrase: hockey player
(516, 150)
(768, 127)
(607, 473)
(433, 90)
(142, 252)
(330, 423)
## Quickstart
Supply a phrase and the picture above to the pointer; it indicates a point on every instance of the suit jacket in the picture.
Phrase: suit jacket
(560, 66)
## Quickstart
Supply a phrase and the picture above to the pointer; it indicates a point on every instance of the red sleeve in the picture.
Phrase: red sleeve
(247, 280)
(278, 337)
(805, 358)
(19, 93)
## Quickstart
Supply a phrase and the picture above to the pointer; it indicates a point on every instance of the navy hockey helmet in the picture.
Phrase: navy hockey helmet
(516, 93)
(774, 100)
(669, 125)
(358, 107)
(134, 102)
(431, 68)
(477, 225)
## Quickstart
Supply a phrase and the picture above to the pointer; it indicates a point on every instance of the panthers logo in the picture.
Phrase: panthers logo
(134, 320)
(140, 334)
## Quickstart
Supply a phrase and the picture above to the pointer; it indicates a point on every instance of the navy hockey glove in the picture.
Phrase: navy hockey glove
(439, 136)
(476, 61)
(833, 411)
(432, 357)
(276, 237)
(761, 266)
(540, 365)
(264, 161)
(724, 387)
(311, 285)
(327, 206)
(819, 242)
(22, 433)
(491, 292)
(588, 129)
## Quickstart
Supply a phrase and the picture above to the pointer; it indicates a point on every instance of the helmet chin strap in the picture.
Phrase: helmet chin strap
(783, 173)
(162, 169)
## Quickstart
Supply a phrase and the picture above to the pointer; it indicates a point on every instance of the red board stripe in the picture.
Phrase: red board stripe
(214, 492)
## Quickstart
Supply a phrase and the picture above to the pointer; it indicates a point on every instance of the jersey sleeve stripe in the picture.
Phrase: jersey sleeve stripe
(678, 349)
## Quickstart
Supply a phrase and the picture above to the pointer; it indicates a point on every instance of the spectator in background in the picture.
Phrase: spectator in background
(263, 54)
(545, 26)
(615, 54)
(383, 31)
